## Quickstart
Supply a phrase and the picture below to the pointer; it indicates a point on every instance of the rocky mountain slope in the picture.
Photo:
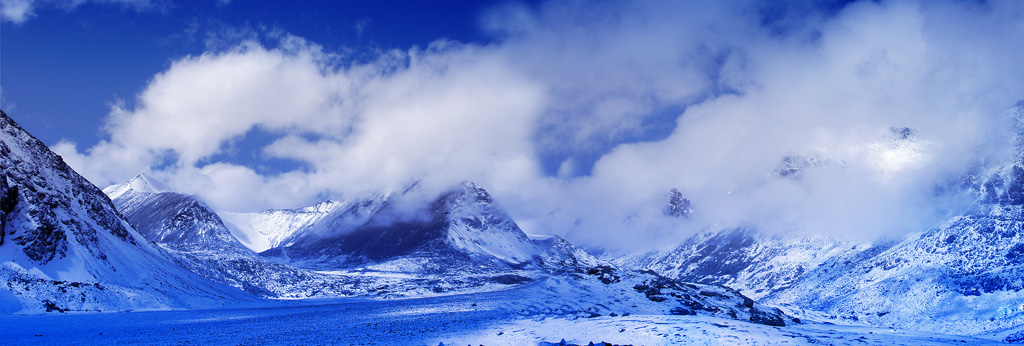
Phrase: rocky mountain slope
(64, 246)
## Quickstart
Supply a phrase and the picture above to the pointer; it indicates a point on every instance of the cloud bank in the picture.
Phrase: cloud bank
(582, 116)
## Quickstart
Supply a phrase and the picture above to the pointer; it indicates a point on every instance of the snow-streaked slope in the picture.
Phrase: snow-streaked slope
(960, 278)
(267, 229)
(560, 253)
(963, 277)
(65, 246)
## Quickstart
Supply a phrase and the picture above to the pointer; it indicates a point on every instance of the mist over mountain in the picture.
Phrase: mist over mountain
(460, 231)
(706, 98)
(959, 276)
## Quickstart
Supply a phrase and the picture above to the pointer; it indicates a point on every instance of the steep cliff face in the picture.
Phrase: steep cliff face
(65, 246)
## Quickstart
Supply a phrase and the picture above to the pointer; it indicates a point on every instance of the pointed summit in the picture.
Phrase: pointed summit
(141, 183)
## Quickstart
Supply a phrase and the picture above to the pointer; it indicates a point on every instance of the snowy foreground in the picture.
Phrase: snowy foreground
(490, 318)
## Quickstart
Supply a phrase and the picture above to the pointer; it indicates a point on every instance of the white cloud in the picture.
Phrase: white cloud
(875, 66)
(19, 11)
(573, 77)
(16, 11)
(434, 114)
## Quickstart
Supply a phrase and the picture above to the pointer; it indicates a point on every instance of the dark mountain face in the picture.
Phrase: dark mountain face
(379, 232)
(704, 263)
(42, 199)
(388, 235)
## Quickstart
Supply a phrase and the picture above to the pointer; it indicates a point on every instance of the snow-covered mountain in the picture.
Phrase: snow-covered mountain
(462, 230)
(194, 232)
(961, 277)
(189, 228)
(175, 220)
(752, 262)
(64, 246)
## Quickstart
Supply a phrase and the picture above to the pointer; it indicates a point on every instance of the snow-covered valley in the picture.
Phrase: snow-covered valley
(504, 317)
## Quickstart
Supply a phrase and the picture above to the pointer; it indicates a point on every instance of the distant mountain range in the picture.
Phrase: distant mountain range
(962, 277)
(466, 237)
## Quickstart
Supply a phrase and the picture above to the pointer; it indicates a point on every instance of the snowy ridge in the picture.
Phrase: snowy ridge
(560, 253)
(178, 221)
(141, 183)
(749, 261)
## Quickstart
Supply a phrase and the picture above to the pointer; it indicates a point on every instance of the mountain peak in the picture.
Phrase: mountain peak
(141, 183)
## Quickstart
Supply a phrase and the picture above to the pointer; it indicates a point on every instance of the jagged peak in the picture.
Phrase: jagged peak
(677, 206)
(141, 183)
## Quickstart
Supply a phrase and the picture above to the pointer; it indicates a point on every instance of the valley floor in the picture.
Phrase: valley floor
(478, 318)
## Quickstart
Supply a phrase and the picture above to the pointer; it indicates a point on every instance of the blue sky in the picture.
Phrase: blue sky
(578, 116)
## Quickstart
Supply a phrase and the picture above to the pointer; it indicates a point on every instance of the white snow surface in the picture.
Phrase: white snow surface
(532, 314)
